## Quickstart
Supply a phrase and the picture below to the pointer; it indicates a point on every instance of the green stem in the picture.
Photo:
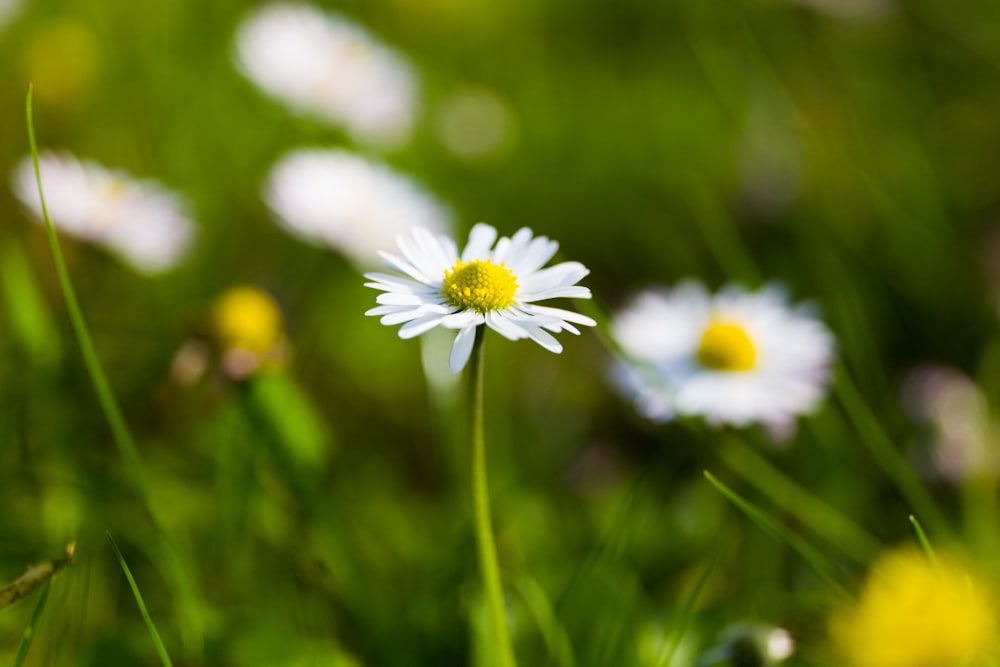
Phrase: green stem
(488, 565)
(127, 448)
(798, 501)
(889, 458)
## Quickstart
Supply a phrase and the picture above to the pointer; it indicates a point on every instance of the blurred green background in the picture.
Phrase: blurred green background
(852, 154)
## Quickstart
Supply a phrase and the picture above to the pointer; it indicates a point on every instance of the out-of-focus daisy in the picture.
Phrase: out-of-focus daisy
(751, 644)
(348, 203)
(914, 613)
(243, 335)
(736, 357)
(9, 10)
(963, 434)
(249, 330)
(327, 66)
(140, 221)
(62, 59)
(854, 10)
(475, 124)
(485, 284)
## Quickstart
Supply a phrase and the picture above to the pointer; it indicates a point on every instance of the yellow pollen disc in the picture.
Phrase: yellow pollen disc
(479, 286)
(726, 347)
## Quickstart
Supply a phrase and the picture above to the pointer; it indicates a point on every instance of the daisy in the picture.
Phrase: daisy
(327, 66)
(140, 221)
(485, 284)
(734, 358)
(348, 203)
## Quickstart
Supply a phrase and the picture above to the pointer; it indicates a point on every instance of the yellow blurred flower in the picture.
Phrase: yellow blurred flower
(249, 329)
(63, 60)
(914, 613)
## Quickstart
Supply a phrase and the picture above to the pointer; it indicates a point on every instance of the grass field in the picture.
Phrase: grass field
(202, 409)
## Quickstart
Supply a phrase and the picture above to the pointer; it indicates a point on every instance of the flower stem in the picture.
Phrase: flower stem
(489, 568)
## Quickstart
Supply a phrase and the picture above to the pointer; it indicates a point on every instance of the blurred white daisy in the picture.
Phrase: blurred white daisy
(9, 10)
(485, 284)
(349, 203)
(327, 66)
(735, 357)
(140, 221)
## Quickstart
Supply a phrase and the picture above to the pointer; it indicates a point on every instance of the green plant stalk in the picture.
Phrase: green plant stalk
(157, 642)
(925, 544)
(119, 430)
(892, 462)
(489, 568)
(812, 511)
(682, 620)
(29, 631)
(823, 567)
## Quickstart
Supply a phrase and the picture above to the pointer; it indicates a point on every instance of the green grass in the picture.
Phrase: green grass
(324, 514)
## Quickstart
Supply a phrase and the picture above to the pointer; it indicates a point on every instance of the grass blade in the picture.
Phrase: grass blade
(685, 615)
(160, 649)
(809, 509)
(119, 429)
(925, 544)
(882, 448)
(809, 553)
(29, 632)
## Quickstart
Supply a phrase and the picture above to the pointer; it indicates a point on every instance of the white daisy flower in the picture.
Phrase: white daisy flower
(348, 203)
(140, 221)
(733, 358)
(485, 284)
(327, 66)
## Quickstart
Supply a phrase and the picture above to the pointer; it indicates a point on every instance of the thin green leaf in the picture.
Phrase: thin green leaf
(823, 567)
(555, 637)
(809, 509)
(882, 448)
(119, 429)
(157, 642)
(685, 615)
(925, 544)
(29, 632)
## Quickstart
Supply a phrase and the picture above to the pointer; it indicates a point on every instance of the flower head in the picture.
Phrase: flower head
(328, 66)
(913, 613)
(735, 357)
(496, 285)
(248, 329)
(139, 221)
(349, 203)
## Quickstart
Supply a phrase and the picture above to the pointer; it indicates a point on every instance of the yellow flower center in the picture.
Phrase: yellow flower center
(479, 286)
(726, 347)
(248, 319)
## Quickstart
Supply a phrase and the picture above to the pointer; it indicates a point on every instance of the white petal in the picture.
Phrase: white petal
(420, 325)
(461, 349)
(387, 282)
(568, 292)
(391, 319)
(534, 257)
(560, 275)
(463, 319)
(402, 266)
(568, 315)
(480, 239)
(544, 339)
(505, 327)
(399, 299)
